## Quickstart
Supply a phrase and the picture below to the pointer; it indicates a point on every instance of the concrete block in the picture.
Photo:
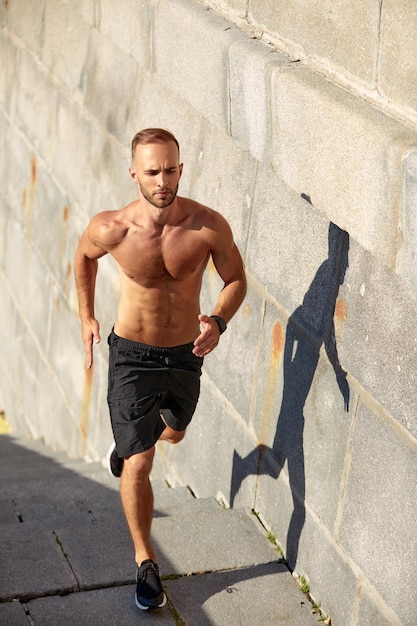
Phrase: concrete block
(112, 566)
(64, 356)
(191, 46)
(25, 19)
(225, 184)
(332, 581)
(89, 11)
(101, 164)
(233, 367)
(326, 435)
(380, 320)
(110, 77)
(373, 613)
(343, 154)
(344, 35)
(398, 50)
(54, 408)
(49, 571)
(35, 120)
(12, 324)
(251, 63)
(4, 217)
(306, 547)
(26, 373)
(8, 390)
(105, 606)
(65, 46)
(71, 153)
(275, 506)
(3, 15)
(234, 8)
(301, 419)
(16, 171)
(128, 26)
(376, 534)
(238, 597)
(17, 273)
(107, 178)
(49, 228)
(288, 248)
(11, 59)
(267, 383)
(406, 261)
(12, 613)
(201, 544)
(36, 298)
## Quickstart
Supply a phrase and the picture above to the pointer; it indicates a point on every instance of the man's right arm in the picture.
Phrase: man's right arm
(85, 270)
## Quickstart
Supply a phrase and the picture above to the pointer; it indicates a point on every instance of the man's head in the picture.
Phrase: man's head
(155, 166)
(152, 135)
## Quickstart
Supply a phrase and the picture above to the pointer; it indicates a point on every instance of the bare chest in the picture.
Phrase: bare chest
(152, 259)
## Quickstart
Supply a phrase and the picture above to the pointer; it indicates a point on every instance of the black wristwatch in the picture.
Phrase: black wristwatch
(220, 323)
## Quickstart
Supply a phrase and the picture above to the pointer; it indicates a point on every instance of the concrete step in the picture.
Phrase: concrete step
(67, 557)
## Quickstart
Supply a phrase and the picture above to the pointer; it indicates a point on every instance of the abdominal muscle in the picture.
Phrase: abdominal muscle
(164, 315)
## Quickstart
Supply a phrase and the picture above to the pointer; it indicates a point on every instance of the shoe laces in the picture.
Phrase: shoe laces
(147, 567)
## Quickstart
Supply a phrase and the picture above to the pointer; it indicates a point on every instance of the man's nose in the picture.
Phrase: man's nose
(162, 179)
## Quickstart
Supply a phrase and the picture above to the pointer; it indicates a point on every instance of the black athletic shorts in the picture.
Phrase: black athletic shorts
(145, 381)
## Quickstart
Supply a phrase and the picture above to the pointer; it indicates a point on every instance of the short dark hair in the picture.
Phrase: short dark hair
(152, 135)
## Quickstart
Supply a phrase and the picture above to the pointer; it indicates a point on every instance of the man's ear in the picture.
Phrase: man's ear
(133, 175)
(181, 166)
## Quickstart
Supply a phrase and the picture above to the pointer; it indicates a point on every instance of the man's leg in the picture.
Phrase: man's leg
(137, 496)
(137, 500)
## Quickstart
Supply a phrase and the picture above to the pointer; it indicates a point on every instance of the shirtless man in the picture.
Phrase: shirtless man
(162, 244)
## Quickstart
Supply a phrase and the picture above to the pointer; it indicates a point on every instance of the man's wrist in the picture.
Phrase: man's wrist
(221, 323)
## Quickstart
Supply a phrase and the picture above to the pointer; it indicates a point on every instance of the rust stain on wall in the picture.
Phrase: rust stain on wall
(277, 346)
(33, 179)
(65, 214)
(85, 406)
(246, 311)
(341, 311)
(277, 342)
(68, 277)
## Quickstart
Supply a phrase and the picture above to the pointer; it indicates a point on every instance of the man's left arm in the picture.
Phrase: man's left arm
(229, 265)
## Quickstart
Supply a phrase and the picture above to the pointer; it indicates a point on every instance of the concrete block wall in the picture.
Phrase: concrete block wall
(297, 121)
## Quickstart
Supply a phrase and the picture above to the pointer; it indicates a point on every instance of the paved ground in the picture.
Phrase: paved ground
(66, 557)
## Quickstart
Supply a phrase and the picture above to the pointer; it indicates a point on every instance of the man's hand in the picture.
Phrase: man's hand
(208, 339)
(90, 333)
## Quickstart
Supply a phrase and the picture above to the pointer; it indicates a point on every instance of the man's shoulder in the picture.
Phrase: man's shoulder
(108, 228)
(202, 213)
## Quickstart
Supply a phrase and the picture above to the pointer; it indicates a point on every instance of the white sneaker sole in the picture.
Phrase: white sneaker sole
(108, 459)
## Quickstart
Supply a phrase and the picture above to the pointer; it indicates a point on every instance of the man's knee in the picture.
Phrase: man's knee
(139, 464)
(172, 436)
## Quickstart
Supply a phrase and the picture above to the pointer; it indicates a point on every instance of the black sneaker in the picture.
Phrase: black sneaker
(149, 593)
(114, 462)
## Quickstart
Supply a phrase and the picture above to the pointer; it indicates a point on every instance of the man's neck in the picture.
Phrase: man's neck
(170, 215)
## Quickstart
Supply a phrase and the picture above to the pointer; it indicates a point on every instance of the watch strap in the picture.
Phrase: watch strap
(221, 323)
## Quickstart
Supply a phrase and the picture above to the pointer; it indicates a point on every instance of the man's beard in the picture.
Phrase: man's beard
(162, 203)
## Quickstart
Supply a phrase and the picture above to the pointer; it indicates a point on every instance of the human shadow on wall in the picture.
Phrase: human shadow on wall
(309, 327)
